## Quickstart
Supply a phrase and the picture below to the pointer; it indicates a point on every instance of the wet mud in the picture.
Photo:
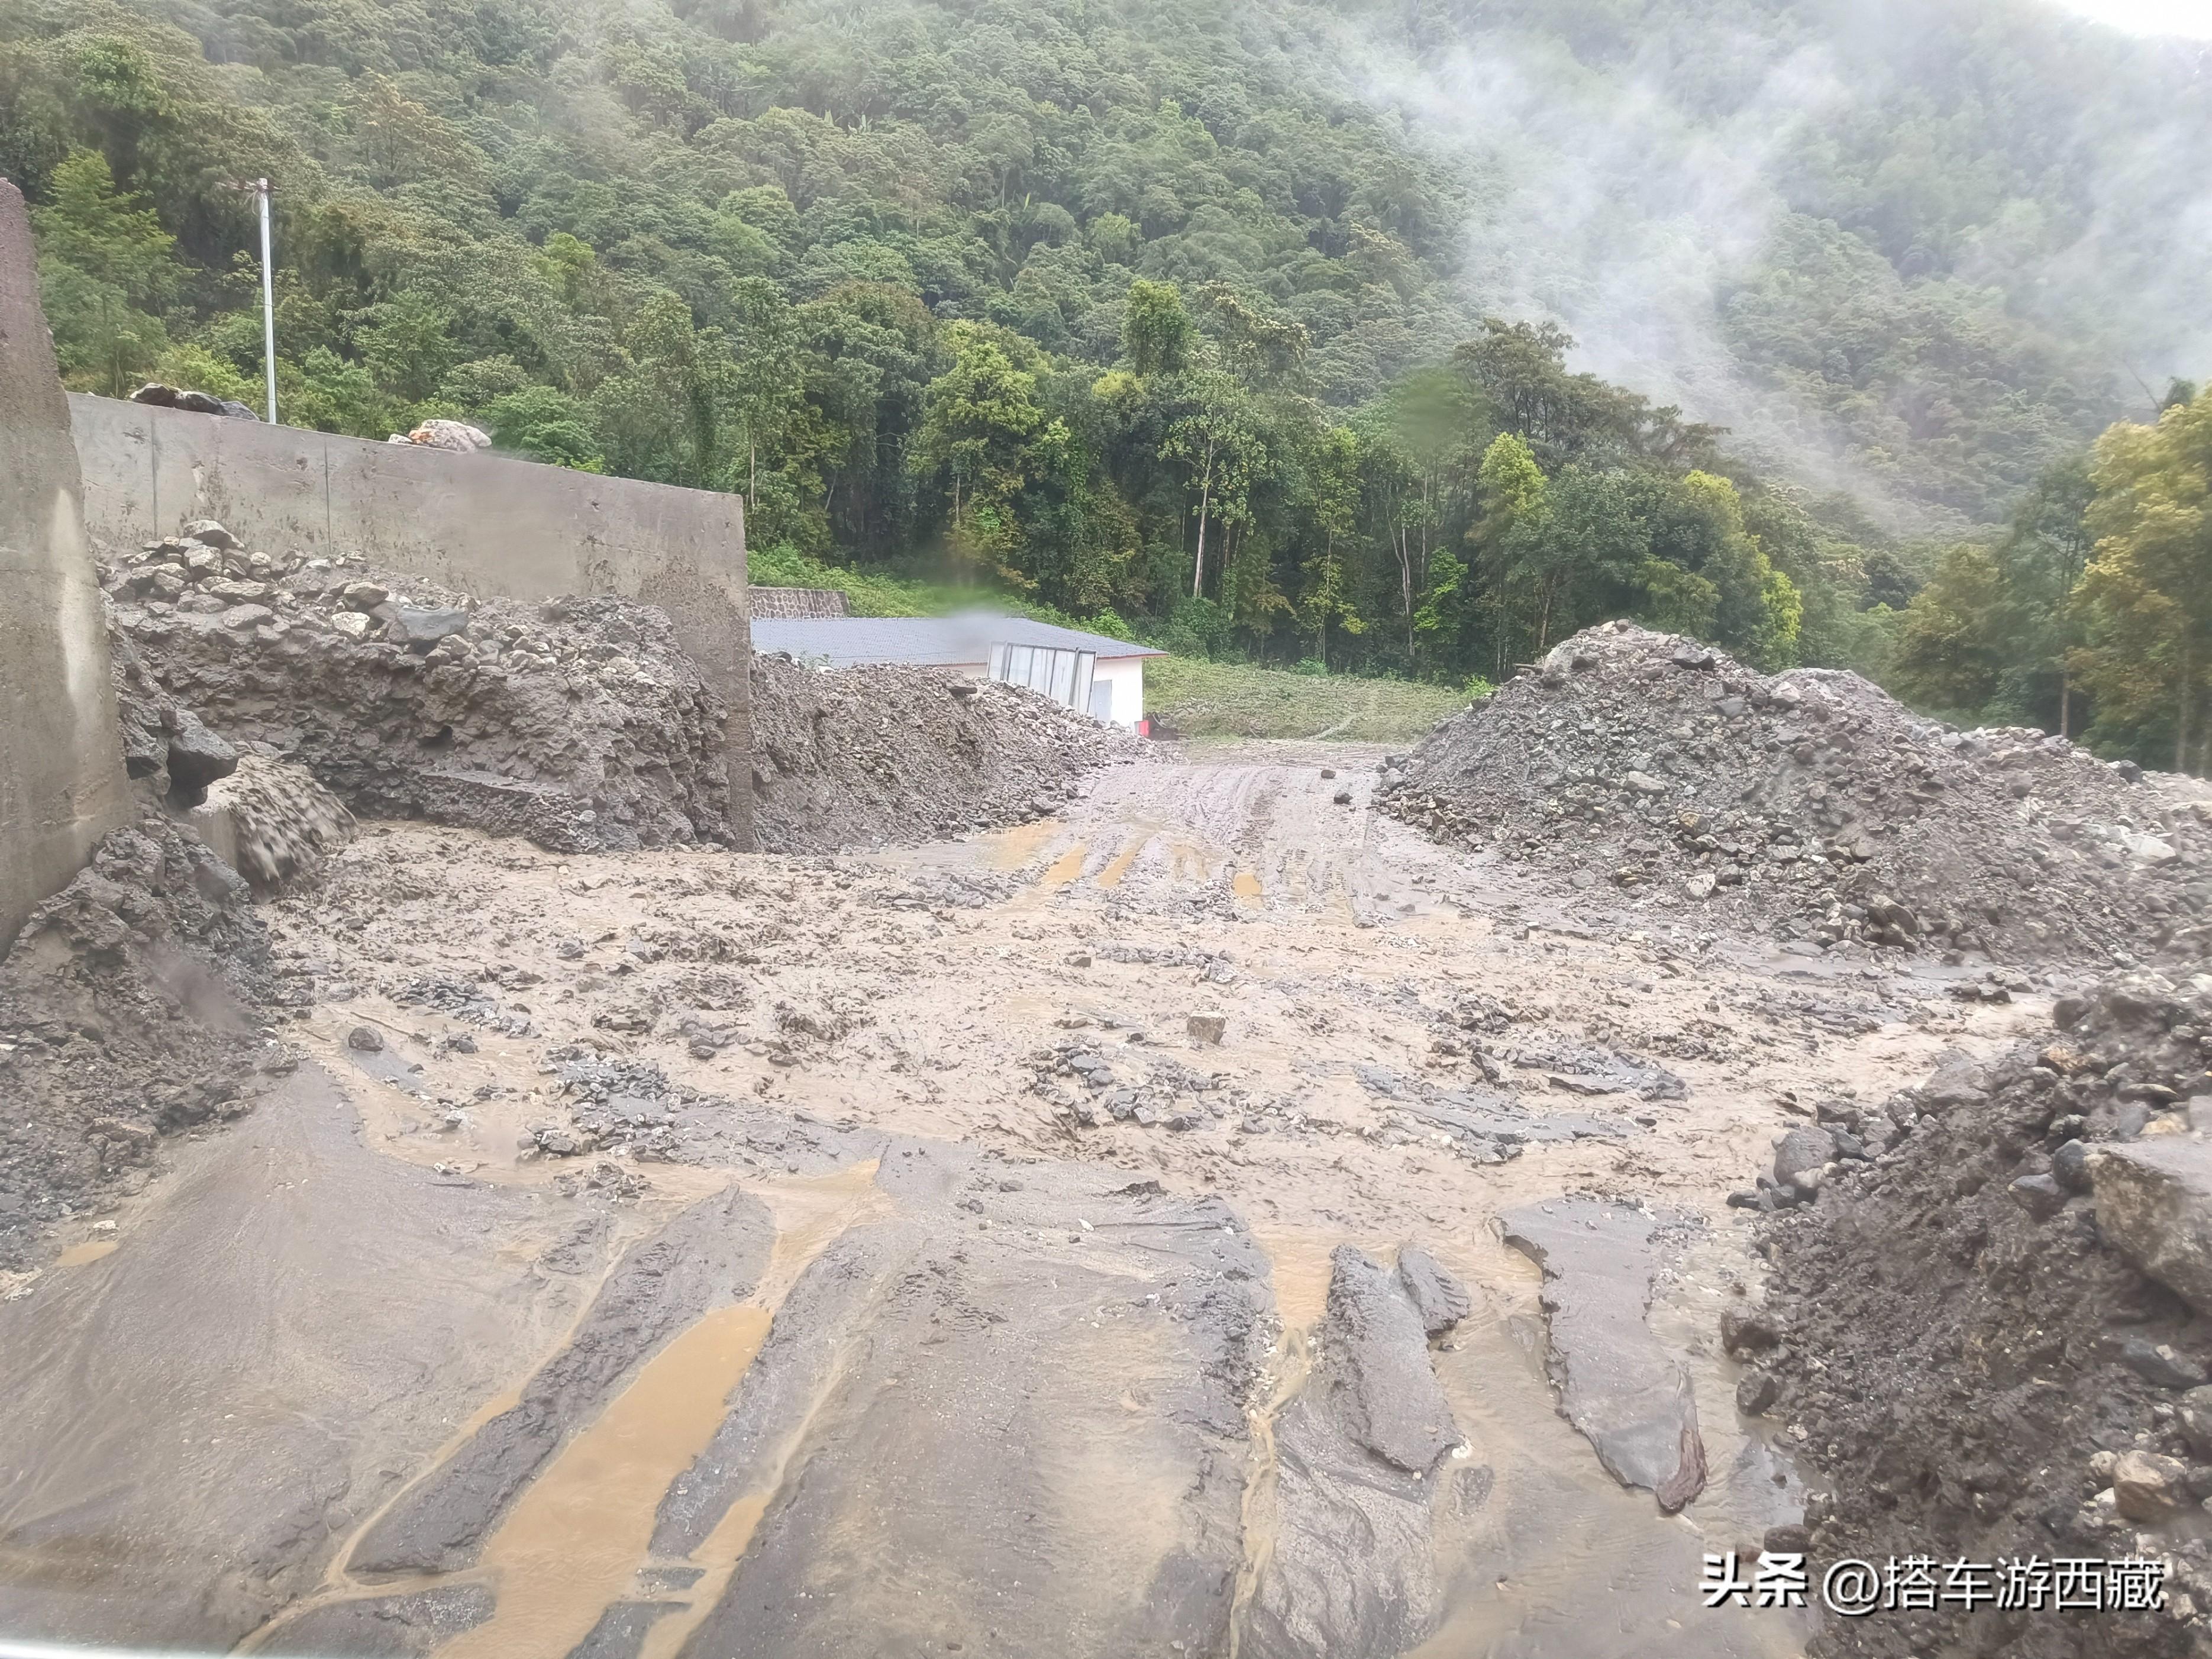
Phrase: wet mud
(713, 1258)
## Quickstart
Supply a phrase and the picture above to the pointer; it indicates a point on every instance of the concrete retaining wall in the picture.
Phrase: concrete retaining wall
(478, 523)
(62, 785)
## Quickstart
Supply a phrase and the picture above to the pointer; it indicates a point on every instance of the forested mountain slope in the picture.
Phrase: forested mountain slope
(1123, 305)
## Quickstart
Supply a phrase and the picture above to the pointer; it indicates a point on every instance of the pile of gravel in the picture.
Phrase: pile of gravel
(577, 723)
(1810, 805)
(1960, 1328)
(125, 1016)
(889, 756)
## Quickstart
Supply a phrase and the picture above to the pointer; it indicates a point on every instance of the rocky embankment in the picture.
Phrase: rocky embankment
(1987, 1323)
(1813, 807)
(577, 723)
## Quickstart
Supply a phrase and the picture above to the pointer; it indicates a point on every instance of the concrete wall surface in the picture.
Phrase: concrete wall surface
(482, 524)
(62, 784)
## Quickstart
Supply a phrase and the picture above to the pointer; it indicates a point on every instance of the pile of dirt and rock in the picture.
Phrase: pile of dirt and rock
(889, 756)
(577, 723)
(124, 1017)
(1810, 806)
(1987, 1325)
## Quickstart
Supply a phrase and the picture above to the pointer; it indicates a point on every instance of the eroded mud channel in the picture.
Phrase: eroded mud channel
(1208, 1221)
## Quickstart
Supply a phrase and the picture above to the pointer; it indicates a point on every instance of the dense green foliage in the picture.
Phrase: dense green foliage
(1181, 315)
(2092, 614)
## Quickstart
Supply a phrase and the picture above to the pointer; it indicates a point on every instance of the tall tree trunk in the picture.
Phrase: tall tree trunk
(1204, 500)
(2065, 703)
(1405, 542)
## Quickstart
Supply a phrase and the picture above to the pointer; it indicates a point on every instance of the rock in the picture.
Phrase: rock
(239, 617)
(365, 1039)
(1957, 1082)
(2040, 1195)
(455, 436)
(154, 393)
(1749, 1330)
(1205, 1028)
(1689, 655)
(2148, 1488)
(200, 403)
(1342, 797)
(1441, 1300)
(2070, 1166)
(2154, 1203)
(2193, 1416)
(363, 596)
(2160, 1364)
(1329, 771)
(352, 624)
(421, 629)
(1644, 784)
(1699, 884)
(196, 756)
(208, 533)
(1756, 1392)
(1803, 1151)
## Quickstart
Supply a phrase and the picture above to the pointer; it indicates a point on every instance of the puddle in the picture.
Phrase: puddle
(1065, 868)
(1010, 849)
(91, 1251)
(574, 1540)
(577, 1539)
(1118, 866)
(1246, 885)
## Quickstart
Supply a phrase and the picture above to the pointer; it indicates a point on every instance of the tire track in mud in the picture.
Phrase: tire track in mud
(525, 1536)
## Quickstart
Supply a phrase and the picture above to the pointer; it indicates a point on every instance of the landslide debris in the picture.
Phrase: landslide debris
(1812, 806)
(889, 756)
(576, 722)
(1958, 1320)
(121, 1022)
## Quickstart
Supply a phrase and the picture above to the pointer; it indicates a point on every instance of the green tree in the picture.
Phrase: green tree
(984, 431)
(2148, 592)
(1155, 329)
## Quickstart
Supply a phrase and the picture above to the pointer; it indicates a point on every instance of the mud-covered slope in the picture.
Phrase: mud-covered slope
(1810, 806)
(122, 1019)
(577, 723)
(1981, 1370)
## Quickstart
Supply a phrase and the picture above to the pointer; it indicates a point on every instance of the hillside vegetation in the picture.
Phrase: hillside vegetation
(1402, 340)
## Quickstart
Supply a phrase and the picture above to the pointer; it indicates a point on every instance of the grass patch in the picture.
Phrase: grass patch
(1201, 698)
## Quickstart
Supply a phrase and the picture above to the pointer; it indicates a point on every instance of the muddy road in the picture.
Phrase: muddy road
(1210, 1220)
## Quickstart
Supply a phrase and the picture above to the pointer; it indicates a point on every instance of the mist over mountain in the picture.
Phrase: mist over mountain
(1913, 250)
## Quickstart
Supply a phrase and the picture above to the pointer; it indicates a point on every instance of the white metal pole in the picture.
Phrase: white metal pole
(267, 303)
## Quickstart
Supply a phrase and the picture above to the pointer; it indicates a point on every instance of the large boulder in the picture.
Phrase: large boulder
(2154, 1202)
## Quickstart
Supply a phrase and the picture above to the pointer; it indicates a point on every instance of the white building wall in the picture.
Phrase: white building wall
(1125, 675)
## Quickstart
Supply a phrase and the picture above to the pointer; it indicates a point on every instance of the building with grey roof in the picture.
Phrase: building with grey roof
(1101, 676)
